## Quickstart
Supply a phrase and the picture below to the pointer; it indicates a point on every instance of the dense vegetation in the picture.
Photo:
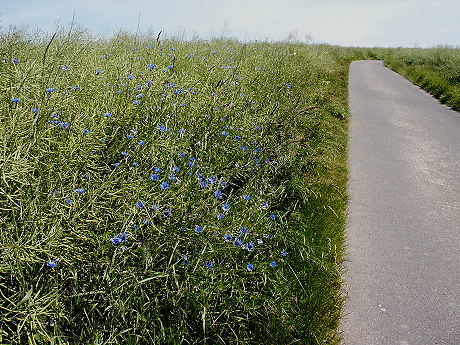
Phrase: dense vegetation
(168, 192)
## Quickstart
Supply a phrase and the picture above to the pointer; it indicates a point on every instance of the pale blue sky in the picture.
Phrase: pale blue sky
(409, 23)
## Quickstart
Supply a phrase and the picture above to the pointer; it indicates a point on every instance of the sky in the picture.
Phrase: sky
(362, 23)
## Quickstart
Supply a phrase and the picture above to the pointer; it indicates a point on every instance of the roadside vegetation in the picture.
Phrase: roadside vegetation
(170, 192)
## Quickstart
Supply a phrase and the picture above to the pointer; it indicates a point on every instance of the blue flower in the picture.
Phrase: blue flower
(208, 264)
(284, 253)
(226, 207)
(15, 60)
(162, 128)
(80, 190)
(237, 137)
(264, 204)
(249, 246)
(85, 176)
(175, 169)
(140, 143)
(98, 71)
(182, 154)
(198, 229)
(137, 102)
(51, 264)
(123, 236)
(155, 208)
(238, 242)
(140, 204)
(116, 240)
(15, 100)
(218, 193)
(68, 201)
(164, 185)
(35, 110)
(65, 68)
(167, 212)
(116, 165)
(157, 170)
(246, 197)
(272, 216)
(224, 133)
(250, 267)
(64, 125)
(181, 131)
(107, 114)
(228, 237)
(220, 216)
(85, 131)
(273, 264)
(154, 177)
(244, 230)
(50, 89)
(151, 66)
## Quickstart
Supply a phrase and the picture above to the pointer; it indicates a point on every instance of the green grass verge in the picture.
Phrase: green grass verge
(170, 192)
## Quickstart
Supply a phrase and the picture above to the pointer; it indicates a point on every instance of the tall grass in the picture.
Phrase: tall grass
(170, 192)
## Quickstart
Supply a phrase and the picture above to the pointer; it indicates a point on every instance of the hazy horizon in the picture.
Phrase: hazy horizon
(389, 23)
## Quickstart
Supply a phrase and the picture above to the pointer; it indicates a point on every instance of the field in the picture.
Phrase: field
(162, 191)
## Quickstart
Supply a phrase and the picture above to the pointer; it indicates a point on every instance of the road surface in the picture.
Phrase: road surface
(402, 280)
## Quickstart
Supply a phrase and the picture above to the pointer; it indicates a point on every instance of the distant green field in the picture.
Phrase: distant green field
(170, 192)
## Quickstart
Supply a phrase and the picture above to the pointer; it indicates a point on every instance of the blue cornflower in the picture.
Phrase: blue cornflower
(208, 264)
(273, 264)
(123, 236)
(283, 253)
(288, 86)
(244, 148)
(85, 131)
(198, 229)
(157, 170)
(140, 95)
(175, 169)
(226, 207)
(155, 208)
(136, 102)
(246, 197)
(130, 136)
(249, 246)
(51, 264)
(75, 88)
(218, 193)
(85, 176)
(140, 143)
(164, 185)
(250, 267)
(182, 154)
(68, 201)
(272, 216)
(123, 153)
(98, 71)
(224, 184)
(116, 240)
(237, 137)
(65, 68)
(264, 204)
(116, 165)
(35, 110)
(134, 164)
(228, 237)
(172, 177)
(151, 66)
(154, 177)
(107, 114)
(140, 204)
(220, 216)
(181, 131)
(50, 89)
(186, 263)
(167, 212)
(204, 184)
(162, 128)
(15, 100)
(238, 242)
(15, 60)
(80, 190)
(244, 230)
(224, 133)
(64, 125)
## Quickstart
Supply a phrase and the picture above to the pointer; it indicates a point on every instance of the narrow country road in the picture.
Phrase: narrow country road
(403, 235)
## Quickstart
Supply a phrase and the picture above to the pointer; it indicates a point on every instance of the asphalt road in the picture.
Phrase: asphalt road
(403, 235)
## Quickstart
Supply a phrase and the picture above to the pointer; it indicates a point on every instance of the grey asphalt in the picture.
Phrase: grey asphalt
(402, 269)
